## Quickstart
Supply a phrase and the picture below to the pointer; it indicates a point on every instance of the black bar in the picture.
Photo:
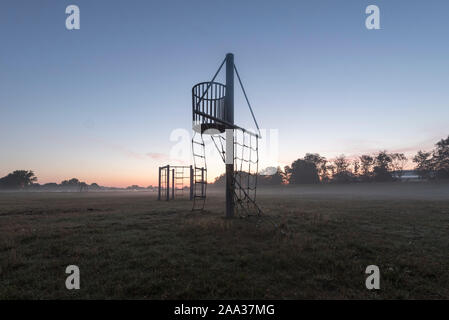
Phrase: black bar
(224, 309)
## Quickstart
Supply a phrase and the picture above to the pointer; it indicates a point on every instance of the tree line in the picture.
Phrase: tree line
(26, 179)
(380, 167)
(311, 169)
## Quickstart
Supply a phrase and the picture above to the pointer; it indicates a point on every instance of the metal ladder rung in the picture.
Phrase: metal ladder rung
(199, 173)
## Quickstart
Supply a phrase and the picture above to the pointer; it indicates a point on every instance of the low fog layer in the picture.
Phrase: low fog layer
(387, 191)
(367, 191)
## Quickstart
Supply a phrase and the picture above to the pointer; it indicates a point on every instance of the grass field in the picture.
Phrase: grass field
(129, 245)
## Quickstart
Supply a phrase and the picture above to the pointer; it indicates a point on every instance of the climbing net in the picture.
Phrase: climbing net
(246, 166)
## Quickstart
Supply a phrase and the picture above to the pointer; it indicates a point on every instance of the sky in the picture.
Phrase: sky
(108, 102)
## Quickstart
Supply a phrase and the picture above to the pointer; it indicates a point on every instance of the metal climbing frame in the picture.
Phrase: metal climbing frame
(175, 182)
(213, 108)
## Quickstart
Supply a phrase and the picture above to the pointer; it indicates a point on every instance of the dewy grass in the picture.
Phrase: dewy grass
(129, 245)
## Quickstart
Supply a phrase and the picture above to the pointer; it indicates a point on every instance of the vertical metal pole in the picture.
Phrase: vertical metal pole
(173, 184)
(191, 182)
(202, 183)
(159, 190)
(168, 183)
(229, 109)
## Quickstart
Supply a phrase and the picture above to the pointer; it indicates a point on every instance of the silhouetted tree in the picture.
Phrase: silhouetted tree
(94, 186)
(342, 172)
(366, 167)
(320, 164)
(83, 187)
(356, 166)
(302, 172)
(50, 186)
(441, 159)
(220, 180)
(18, 179)
(398, 162)
(424, 165)
(331, 169)
(74, 182)
(382, 167)
(323, 171)
(134, 187)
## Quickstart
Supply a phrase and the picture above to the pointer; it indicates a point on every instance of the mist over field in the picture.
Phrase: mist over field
(374, 191)
(368, 191)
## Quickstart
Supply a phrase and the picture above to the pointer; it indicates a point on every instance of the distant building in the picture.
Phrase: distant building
(406, 175)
